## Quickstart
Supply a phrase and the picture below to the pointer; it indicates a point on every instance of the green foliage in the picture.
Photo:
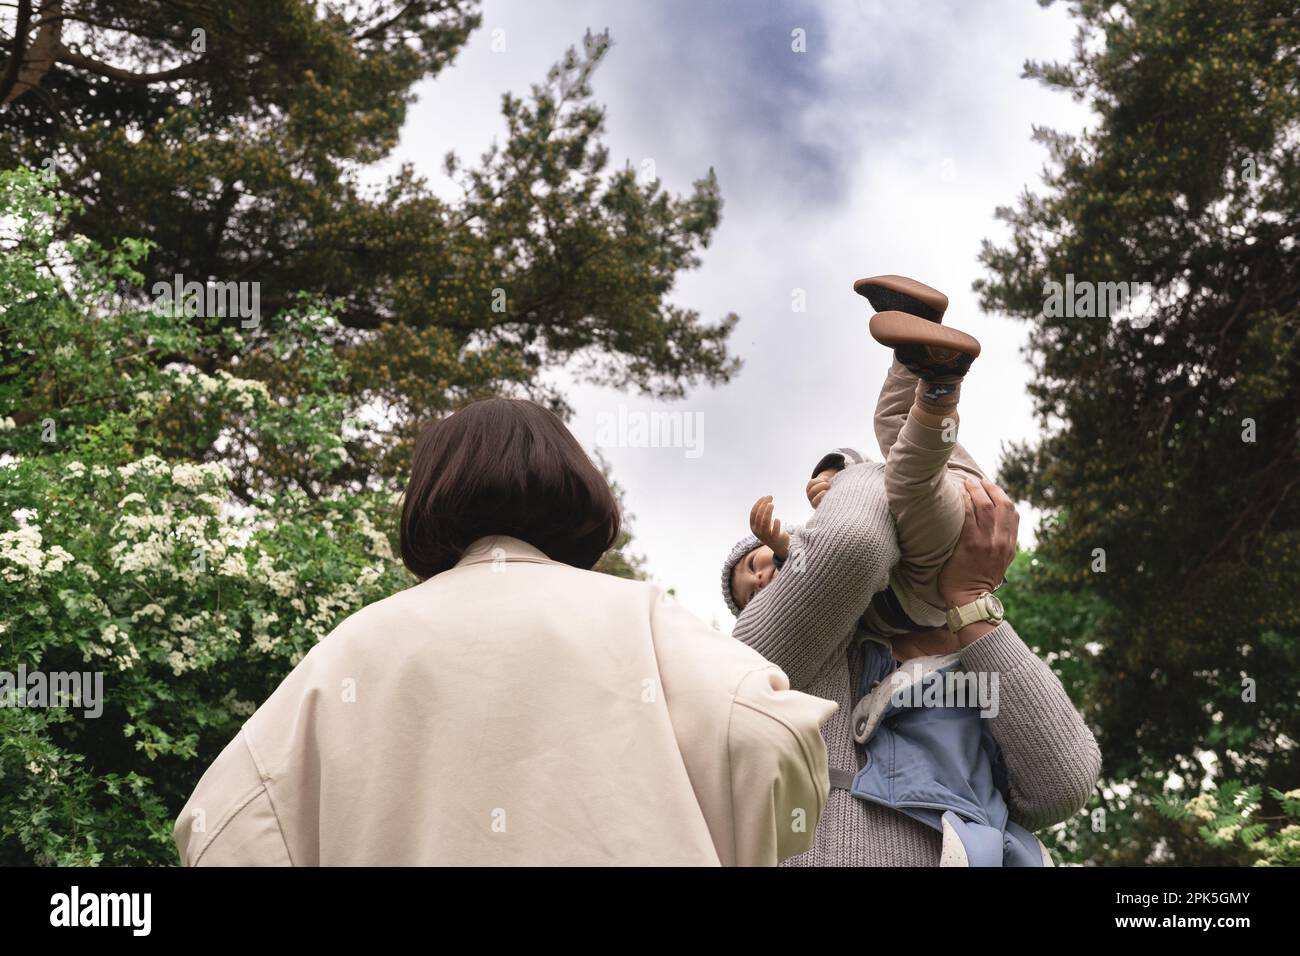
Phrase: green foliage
(1229, 818)
(1059, 627)
(1173, 445)
(193, 597)
(193, 586)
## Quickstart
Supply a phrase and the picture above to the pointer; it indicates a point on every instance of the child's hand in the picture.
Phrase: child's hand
(768, 529)
(818, 486)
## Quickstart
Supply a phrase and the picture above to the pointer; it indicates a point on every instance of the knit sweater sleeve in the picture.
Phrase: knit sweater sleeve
(838, 560)
(1052, 758)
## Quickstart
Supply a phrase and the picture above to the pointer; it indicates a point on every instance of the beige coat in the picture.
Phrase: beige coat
(514, 710)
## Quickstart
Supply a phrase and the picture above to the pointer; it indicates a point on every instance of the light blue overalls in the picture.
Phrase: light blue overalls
(939, 765)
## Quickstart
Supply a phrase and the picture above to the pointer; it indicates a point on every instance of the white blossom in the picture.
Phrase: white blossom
(147, 555)
(55, 560)
(149, 610)
(149, 466)
(22, 550)
(283, 583)
(233, 566)
(379, 545)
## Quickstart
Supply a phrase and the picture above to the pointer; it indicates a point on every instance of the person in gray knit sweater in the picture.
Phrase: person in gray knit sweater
(812, 622)
(805, 623)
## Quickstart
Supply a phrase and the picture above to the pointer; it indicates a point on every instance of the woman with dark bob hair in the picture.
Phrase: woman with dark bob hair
(508, 467)
(516, 707)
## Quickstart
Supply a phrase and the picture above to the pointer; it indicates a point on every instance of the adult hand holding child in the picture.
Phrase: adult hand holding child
(983, 552)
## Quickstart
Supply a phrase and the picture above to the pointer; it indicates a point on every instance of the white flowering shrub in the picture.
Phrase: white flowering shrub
(176, 528)
(1229, 817)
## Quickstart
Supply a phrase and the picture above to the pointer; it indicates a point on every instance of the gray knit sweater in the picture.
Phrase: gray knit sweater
(804, 622)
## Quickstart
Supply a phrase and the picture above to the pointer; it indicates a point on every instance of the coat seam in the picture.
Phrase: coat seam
(265, 777)
(240, 807)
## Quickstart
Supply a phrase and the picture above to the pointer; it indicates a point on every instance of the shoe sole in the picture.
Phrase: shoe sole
(901, 294)
(896, 329)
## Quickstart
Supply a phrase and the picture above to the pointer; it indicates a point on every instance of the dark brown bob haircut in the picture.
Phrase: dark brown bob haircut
(504, 466)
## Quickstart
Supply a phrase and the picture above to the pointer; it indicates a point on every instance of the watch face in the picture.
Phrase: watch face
(995, 605)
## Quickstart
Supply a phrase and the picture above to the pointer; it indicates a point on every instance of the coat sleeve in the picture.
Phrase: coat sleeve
(229, 819)
(1052, 758)
(840, 558)
(779, 776)
(751, 746)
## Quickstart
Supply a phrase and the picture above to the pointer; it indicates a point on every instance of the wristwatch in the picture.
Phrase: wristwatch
(986, 607)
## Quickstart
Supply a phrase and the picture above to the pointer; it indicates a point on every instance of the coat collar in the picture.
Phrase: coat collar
(501, 547)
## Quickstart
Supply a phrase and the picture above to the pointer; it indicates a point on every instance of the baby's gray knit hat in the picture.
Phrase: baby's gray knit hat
(838, 458)
(745, 545)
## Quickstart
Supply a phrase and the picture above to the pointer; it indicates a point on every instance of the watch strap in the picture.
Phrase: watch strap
(980, 609)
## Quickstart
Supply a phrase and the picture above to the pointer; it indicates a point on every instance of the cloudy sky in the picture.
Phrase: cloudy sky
(885, 147)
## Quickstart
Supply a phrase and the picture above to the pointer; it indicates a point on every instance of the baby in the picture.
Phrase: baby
(925, 468)
(933, 759)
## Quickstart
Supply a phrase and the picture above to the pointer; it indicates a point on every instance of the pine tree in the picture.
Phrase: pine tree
(1171, 455)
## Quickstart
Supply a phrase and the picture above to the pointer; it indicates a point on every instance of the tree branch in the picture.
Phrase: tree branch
(64, 55)
(10, 79)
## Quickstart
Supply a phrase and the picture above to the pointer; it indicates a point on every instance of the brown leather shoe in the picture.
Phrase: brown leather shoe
(932, 351)
(901, 294)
